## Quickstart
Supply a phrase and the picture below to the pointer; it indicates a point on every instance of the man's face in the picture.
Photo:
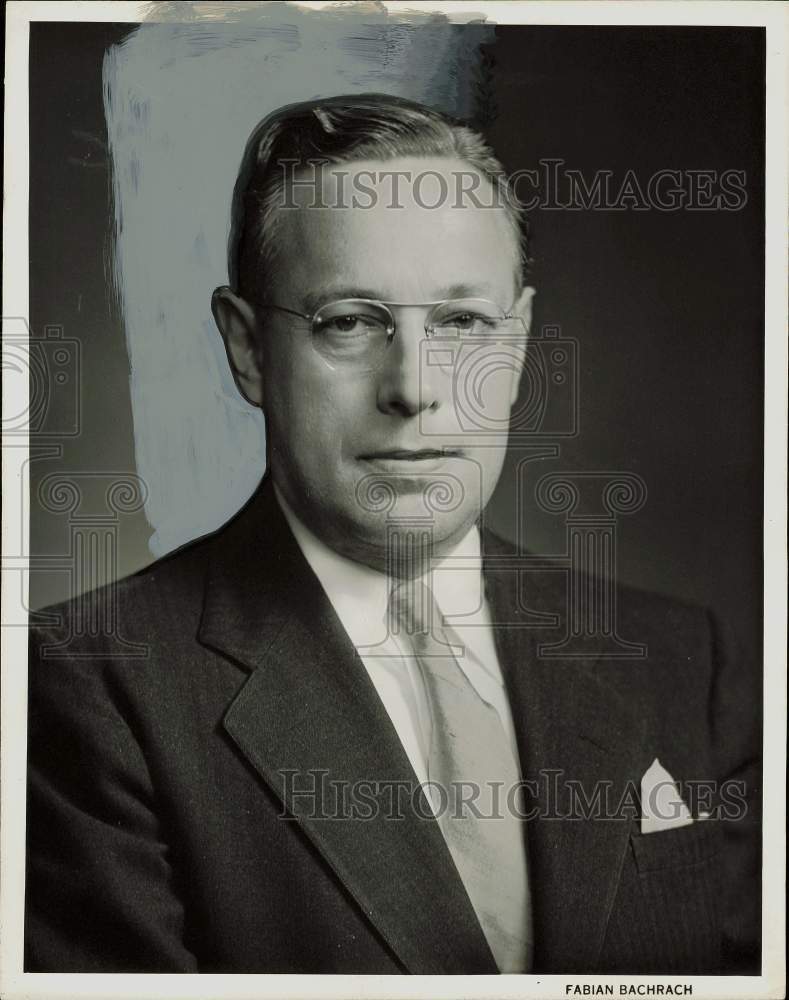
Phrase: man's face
(352, 449)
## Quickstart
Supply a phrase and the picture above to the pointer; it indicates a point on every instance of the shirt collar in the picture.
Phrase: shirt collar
(360, 594)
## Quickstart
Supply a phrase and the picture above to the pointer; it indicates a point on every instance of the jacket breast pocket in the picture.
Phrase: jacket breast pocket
(685, 846)
(666, 917)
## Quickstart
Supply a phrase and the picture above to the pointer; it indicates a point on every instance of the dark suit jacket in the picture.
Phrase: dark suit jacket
(164, 833)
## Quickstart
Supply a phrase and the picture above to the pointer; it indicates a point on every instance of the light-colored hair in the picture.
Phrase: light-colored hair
(339, 130)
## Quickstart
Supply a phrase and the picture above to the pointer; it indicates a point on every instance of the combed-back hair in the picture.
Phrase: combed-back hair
(338, 130)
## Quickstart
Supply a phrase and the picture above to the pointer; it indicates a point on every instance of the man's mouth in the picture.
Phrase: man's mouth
(411, 455)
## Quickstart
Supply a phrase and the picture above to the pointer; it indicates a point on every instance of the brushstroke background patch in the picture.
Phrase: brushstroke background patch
(180, 102)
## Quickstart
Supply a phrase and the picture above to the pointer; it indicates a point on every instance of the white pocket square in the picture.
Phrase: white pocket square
(662, 807)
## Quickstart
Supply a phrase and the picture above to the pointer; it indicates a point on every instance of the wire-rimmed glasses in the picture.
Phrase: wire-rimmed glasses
(353, 334)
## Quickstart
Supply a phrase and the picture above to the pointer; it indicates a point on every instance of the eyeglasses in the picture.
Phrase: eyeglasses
(355, 333)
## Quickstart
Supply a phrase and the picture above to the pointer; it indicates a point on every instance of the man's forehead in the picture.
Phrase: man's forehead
(418, 181)
(425, 233)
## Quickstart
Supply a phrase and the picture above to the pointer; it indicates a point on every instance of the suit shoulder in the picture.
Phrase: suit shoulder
(550, 575)
(675, 617)
(163, 597)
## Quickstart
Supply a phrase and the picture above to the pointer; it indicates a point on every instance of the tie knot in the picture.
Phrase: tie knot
(413, 609)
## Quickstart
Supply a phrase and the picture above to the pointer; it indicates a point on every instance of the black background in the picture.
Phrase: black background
(667, 308)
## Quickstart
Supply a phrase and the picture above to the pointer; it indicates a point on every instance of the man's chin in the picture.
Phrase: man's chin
(402, 541)
(417, 493)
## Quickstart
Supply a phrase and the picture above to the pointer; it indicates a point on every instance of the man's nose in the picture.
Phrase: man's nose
(406, 385)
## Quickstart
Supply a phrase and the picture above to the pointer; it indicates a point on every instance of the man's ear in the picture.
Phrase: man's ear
(236, 320)
(522, 309)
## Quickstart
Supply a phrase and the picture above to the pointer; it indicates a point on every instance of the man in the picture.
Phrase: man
(344, 751)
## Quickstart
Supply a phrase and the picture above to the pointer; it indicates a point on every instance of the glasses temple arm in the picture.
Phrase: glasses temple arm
(292, 312)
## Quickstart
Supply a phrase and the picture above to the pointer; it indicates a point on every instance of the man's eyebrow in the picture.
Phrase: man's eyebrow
(313, 300)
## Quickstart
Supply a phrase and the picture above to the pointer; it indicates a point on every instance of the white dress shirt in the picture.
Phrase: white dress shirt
(360, 597)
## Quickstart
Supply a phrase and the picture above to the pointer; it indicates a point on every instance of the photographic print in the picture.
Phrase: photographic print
(393, 570)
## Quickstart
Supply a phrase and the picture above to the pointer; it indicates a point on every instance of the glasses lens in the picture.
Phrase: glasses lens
(352, 333)
(467, 318)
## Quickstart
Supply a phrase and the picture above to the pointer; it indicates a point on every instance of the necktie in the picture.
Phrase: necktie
(472, 767)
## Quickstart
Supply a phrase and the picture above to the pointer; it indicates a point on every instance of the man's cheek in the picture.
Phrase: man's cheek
(482, 389)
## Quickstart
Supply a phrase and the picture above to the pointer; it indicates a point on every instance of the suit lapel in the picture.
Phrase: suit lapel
(310, 722)
(570, 728)
(308, 719)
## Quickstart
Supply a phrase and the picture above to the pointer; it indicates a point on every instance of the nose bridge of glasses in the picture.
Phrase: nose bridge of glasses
(419, 317)
(408, 331)
(412, 317)
(405, 359)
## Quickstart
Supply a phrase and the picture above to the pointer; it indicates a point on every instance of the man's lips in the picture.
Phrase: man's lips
(411, 455)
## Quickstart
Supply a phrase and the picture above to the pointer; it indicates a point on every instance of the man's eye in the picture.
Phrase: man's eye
(356, 324)
(342, 324)
(345, 324)
(465, 321)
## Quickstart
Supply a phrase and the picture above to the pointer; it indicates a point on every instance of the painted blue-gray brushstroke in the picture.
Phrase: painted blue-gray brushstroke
(180, 101)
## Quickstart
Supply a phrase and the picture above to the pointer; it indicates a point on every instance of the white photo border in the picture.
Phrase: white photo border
(14, 983)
